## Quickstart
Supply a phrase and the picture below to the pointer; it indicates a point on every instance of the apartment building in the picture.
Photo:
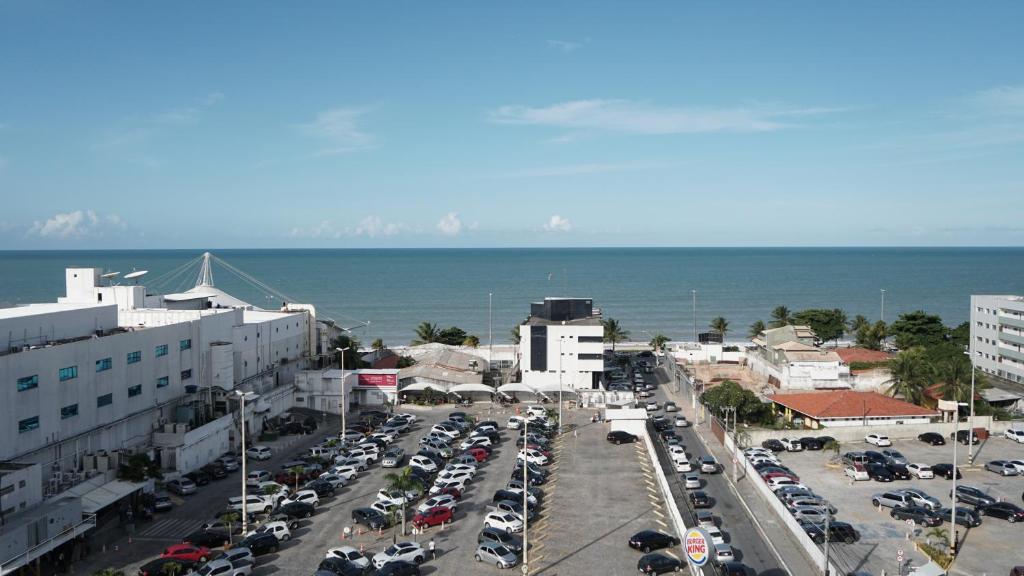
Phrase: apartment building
(562, 345)
(997, 335)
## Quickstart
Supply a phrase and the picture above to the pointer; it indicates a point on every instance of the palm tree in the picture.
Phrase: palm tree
(516, 337)
(404, 482)
(756, 328)
(230, 518)
(859, 321)
(172, 568)
(955, 374)
(911, 374)
(426, 333)
(471, 341)
(613, 332)
(781, 316)
(941, 534)
(296, 471)
(378, 345)
(720, 325)
(658, 342)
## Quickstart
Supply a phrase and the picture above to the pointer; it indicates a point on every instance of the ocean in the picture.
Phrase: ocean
(648, 290)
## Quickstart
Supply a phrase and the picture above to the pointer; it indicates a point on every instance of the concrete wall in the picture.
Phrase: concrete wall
(631, 420)
(38, 324)
(204, 444)
(25, 485)
(896, 432)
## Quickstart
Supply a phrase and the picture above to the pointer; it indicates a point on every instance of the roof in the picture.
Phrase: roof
(218, 297)
(999, 395)
(862, 355)
(444, 364)
(794, 346)
(849, 404)
(537, 321)
(45, 308)
(812, 355)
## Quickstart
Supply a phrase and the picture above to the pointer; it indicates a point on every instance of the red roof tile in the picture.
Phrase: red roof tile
(861, 355)
(849, 404)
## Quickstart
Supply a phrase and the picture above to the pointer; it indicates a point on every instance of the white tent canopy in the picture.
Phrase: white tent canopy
(463, 388)
(421, 386)
(553, 387)
(516, 387)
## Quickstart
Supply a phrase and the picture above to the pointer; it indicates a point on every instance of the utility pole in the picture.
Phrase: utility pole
(245, 494)
(526, 501)
(883, 305)
(970, 434)
(952, 494)
(735, 461)
(694, 314)
(342, 405)
(490, 330)
(828, 518)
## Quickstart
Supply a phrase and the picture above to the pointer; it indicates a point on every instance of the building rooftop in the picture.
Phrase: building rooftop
(813, 355)
(592, 321)
(44, 308)
(849, 404)
(862, 355)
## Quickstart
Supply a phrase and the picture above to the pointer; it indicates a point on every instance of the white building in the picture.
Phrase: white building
(789, 360)
(562, 345)
(997, 335)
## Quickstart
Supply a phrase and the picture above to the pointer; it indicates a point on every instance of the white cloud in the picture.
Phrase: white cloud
(77, 224)
(1004, 100)
(585, 168)
(565, 46)
(450, 225)
(325, 229)
(188, 114)
(373, 227)
(558, 224)
(212, 98)
(370, 226)
(338, 127)
(643, 118)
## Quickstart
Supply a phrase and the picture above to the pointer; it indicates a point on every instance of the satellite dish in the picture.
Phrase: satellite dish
(109, 275)
(136, 275)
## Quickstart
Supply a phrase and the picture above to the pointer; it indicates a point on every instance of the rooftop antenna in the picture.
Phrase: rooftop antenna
(205, 272)
(109, 277)
(135, 275)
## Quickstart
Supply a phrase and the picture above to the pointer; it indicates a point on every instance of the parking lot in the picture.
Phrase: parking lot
(986, 549)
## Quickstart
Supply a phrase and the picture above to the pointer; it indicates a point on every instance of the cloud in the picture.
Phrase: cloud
(338, 128)
(215, 97)
(1003, 100)
(643, 118)
(370, 226)
(77, 224)
(325, 229)
(450, 225)
(565, 46)
(584, 168)
(557, 224)
(188, 114)
(373, 227)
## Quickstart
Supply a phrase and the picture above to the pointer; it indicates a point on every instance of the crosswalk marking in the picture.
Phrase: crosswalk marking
(170, 527)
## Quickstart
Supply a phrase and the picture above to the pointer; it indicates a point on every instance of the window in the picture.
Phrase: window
(591, 339)
(185, 344)
(69, 373)
(134, 357)
(104, 364)
(590, 356)
(134, 390)
(28, 424)
(162, 381)
(161, 350)
(69, 411)
(186, 374)
(105, 400)
(28, 382)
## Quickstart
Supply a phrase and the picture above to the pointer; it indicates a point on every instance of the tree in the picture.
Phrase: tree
(613, 332)
(870, 336)
(911, 374)
(378, 345)
(780, 317)
(658, 342)
(471, 341)
(917, 329)
(955, 374)
(960, 336)
(352, 358)
(405, 362)
(404, 482)
(297, 471)
(230, 518)
(721, 325)
(452, 336)
(426, 333)
(139, 467)
(756, 328)
(749, 407)
(859, 321)
(827, 324)
(516, 337)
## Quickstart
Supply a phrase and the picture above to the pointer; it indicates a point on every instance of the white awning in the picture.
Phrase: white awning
(421, 386)
(516, 387)
(102, 496)
(553, 387)
(471, 388)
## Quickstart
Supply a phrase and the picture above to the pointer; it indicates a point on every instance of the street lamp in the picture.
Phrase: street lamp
(952, 494)
(526, 498)
(970, 434)
(245, 493)
(694, 314)
(343, 426)
(883, 305)
(561, 339)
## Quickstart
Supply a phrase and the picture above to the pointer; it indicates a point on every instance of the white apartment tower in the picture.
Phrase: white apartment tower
(997, 335)
(562, 345)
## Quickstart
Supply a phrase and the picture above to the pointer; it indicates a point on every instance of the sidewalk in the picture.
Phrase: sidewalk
(774, 532)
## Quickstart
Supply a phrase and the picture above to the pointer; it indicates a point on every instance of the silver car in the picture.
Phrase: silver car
(894, 457)
(813, 514)
(921, 498)
(1002, 467)
(493, 553)
(393, 458)
(181, 486)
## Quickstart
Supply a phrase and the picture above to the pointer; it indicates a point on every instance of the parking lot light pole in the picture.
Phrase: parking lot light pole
(561, 339)
(970, 434)
(342, 403)
(694, 292)
(952, 494)
(828, 517)
(245, 494)
(526, 496)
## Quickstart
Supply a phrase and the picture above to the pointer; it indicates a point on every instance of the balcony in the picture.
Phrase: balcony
(1007, 353)
(1011, 321)
(1011, 338)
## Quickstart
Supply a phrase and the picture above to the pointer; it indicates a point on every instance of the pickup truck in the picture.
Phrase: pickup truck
(226, 568)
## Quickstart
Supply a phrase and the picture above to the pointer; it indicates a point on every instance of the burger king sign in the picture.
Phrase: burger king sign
(696, 545)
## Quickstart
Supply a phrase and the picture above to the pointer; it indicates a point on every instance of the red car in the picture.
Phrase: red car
(452, 491)
(432, 517)
(187, 552)
(479, 453)
(771, 475)
(546, 453)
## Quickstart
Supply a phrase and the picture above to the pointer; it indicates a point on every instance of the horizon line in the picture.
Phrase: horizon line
(425, 248)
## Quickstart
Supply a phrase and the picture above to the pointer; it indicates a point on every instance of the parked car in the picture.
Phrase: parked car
(837, 532)
(879, 472)
(259, 453)
(333, 566)
(259, 544)
(811, 443)
(919, 515)
(708, 465)
(399, 568)
(433, 517)
(680, 421)
(513, 543)
(933, 438)
(224, 567)
(167, 567)
(964, 516)
(620, 437)
(503, 521)
(370, 518)
(878, 440)
(972, 495)
(791, 444)
(921, 471)
(773, 445)
(892, 499)
(181, 486)
(647, 540)
(1015, 434)
(1002, 467)
(207, 538)
(400, 552)
(279, 529)
(393, 457)
(188, 552)
(162, 503)
(945, 470)
(699, 499)
(894, 457)
(1006, 510)
(349, 554)
(658, 564)
(497, 554)
(921, 498)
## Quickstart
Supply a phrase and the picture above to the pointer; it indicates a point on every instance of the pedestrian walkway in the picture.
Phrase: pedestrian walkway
(169, 529)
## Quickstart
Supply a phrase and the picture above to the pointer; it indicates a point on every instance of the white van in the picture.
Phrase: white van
(536, 411)
(253, 504)
(323, 452)
(256, 477)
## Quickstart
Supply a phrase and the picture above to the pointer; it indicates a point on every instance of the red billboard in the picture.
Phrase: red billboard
(378, 380)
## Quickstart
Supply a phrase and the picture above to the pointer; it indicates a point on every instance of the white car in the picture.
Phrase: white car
(395, 497)
(336, 481)
(423, 463)
(530, 498)
(652, 406)
(503, 521)
(922, 471)
(691, 482)
(752, 452)
(457, 467)
(386, 437)
(367, 457)
(514, 422)
(676, 451)
(1018, 464)
(760, 459)
(474, 441)
(386, 508)
(407, 551)
(878, 440)
(411, 418)
(358, 464)
(780, 481)
(308, 496)
(716, 535)
(277, 528)
(452, 434)
(274, 488)
(349, 553)
(533, 457)
(443, 500)
(857, 472)
(1015, 434)
(254, 478)
(345, 471)
(441, 485)
(259, 453)
(791, 444)
(683, 465)
(724, 553)
(456, 476)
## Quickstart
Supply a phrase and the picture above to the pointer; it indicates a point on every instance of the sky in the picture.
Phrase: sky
(480, 124)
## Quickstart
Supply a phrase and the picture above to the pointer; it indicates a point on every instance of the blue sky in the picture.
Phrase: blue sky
(365, 124)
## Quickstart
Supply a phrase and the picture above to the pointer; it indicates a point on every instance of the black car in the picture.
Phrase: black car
(321, 487)
(1006, 510)
(399, 568)
(658, 564)
(964, 516)
(699, 499)
(215, 471)
(260, 543)
(898, 471)
(531, 476)
(207, 538)
(837, 532)
(496, 536)
(920, 515)
(662, 425)
(973, 496)
(621, 436)
(824, 440)
(773, 445)
(647, 540)
(298, 509)
(420, 474)
(500, 495)
(339, 567)
(370, 518)
(876, 457)
(964, 436)
(811, 443)
(735, 569)
(945, 470)
(167, 567)
(199, 477)
(933, 438)
(879, 472)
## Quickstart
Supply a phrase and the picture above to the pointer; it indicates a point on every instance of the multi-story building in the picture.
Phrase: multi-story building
(789, 360)
(562, 345)
(997, 335)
